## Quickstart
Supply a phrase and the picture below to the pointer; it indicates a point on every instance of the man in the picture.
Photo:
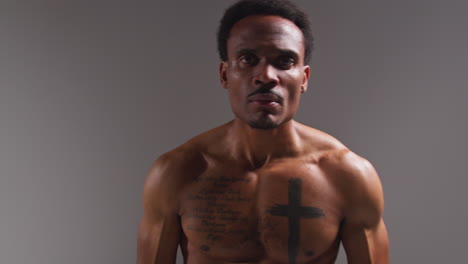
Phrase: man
(263, 188)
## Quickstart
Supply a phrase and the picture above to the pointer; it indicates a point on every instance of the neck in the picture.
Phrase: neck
(257, 146)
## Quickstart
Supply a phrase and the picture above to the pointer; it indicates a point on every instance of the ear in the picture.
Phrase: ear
(306, 78)
(223, 74)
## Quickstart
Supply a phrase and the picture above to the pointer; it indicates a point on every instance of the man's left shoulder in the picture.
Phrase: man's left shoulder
(358, 182)
(349, 168)
(349, 165)
(339, 161)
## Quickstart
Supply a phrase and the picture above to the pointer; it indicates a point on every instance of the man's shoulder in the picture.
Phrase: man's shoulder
(182, 161)
(348, 165)
(334, 155)
(169, 173)
(321, 145)
(356, 179)
(352, 172)
(188, 159)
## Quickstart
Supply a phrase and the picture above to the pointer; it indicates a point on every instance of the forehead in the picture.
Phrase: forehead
(265, 32)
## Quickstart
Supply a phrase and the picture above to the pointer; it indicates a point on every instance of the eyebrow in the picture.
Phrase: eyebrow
(283, 52)
(290, 53)
(244, 51)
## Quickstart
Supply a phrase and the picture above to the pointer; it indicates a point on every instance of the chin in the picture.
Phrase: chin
(263, 123)
(266, 122)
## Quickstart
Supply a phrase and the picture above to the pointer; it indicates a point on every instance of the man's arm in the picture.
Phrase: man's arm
(363, 231)
(159, 231)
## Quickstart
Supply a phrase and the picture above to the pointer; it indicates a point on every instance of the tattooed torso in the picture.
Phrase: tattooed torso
(285, 212)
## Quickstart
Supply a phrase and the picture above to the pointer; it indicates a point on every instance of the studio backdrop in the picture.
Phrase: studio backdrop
(92, 92)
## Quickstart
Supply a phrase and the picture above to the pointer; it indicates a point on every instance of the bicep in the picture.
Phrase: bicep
(365, 244)
(158, 239)
(159, 230)
(364, 234)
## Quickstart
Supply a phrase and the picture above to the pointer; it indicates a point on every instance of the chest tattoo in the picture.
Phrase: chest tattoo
(294, 211)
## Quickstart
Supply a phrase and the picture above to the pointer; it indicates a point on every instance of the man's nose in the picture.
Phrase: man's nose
(266, 74)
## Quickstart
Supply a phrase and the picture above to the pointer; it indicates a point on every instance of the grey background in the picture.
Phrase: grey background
(93, 91)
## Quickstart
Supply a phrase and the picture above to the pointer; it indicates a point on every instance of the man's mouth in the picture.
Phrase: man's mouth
(265, 99)
(265, 103)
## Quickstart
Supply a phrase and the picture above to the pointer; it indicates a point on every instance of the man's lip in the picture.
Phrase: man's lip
(265, 98)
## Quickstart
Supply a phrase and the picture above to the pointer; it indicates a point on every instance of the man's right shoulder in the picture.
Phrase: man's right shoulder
(170, 174)
(187, 161)
(183, 162)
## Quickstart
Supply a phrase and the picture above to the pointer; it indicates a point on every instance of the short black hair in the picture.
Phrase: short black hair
(282, 8)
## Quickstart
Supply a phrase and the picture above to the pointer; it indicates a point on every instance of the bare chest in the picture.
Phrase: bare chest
(286, 213)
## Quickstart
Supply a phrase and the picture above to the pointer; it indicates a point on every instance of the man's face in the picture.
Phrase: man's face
(265, 72)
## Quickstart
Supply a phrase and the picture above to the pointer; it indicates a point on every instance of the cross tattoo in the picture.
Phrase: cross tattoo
(294, 211)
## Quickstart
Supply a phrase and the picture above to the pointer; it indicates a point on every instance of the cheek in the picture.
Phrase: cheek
(237, 84)
(293, 82)
(235, 96)
(294, 98)
(236, 73)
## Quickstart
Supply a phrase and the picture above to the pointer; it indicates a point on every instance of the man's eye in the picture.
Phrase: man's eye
(286, 62)
(249, 59)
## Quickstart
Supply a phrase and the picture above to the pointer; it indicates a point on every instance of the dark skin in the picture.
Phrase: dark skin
(263, 188)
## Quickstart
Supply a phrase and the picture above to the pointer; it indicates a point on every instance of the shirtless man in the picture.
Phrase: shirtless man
(263, 188)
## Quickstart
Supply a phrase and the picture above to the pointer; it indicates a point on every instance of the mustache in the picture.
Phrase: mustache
(265, 89)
